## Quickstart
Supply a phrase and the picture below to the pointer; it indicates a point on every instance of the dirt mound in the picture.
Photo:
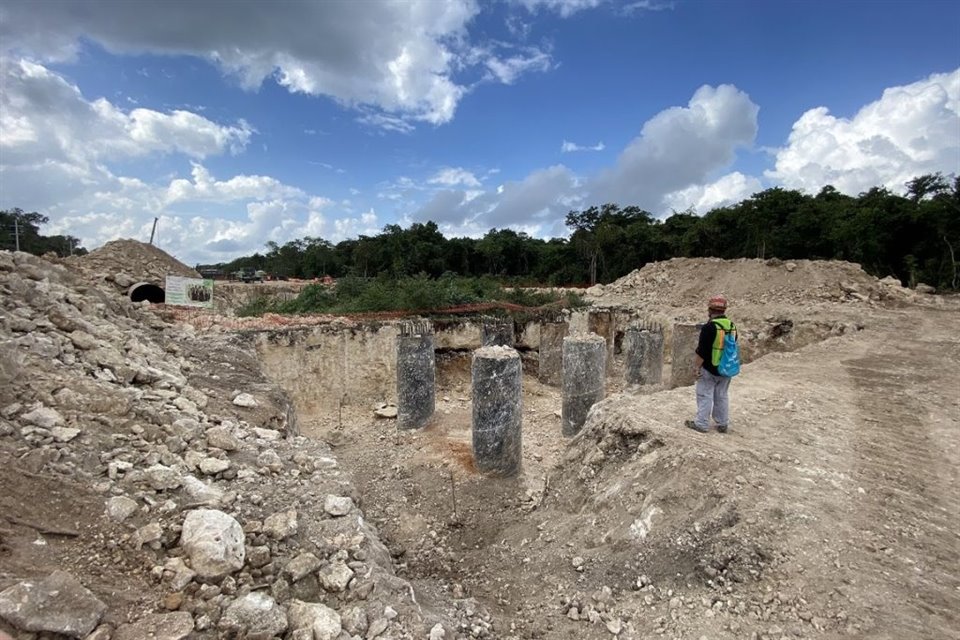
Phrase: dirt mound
(127, 262)
(689, 282)
(119, 432)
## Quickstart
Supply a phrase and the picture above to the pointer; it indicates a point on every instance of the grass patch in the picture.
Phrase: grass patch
(352, 294)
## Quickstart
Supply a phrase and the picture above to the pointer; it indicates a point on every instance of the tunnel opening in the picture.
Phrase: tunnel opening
(150, 292)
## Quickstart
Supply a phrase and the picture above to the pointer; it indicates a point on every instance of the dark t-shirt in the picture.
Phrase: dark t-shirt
(708, 333)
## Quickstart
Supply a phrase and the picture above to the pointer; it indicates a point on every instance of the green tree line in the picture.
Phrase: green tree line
(914, 237)
(20, 228)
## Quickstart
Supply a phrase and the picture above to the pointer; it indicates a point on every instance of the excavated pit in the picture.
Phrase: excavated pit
(451, 529)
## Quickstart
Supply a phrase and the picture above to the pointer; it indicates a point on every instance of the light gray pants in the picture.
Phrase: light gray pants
(712, 398)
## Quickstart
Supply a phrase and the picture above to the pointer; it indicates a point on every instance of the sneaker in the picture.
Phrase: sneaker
(693, 425)
(722, 428)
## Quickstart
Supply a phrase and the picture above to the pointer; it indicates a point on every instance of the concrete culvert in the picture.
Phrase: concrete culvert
(147, 291)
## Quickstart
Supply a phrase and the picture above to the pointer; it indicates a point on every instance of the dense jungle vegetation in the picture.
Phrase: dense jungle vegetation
(913, 237)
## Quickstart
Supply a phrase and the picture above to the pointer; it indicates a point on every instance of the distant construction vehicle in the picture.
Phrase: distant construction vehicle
(249, 274)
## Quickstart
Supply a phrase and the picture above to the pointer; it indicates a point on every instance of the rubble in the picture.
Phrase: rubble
(56, 604)
(100, 391)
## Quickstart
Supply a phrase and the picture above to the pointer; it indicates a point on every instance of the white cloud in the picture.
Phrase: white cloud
(666, 167)
(204, 187)
(534, 204)
(647, 5)
(367, 224)
(565, 8)
(568, 147)
(910, 131)
(508, 69)
(452, 176)
(730, 189)
(56, 154)
(395, 61)
(196, 221)
(679, 148)
(47, 119)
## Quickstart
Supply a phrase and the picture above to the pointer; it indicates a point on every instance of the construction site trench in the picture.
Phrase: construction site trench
(829, 509)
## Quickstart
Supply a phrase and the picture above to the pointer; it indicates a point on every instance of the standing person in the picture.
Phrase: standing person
(712, 387)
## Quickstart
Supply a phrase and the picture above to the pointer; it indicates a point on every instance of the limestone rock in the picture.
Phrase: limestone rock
(245, 400)
(354, 620)
(321, 619)
(178, 573)
(270, 460)
(64, 434)
(302, 565)
(221, 438)
(259, 556)
(200, 492)
(386, 411)
(335, 576)
(150, 533)
(266, 434)
(157, 626)
(213, 541)
(281, 525)
(254, 614)
(43, 417)
(56, 604)
(161, 477)
(337, 506)
(213, 466)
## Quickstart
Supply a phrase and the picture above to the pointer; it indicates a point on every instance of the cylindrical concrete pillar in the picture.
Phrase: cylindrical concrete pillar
(551, 352)
(416, 376)
(603, 324)
(644, 356)
(497, 410)
(685, 337)
(584, 365)
(496, 332)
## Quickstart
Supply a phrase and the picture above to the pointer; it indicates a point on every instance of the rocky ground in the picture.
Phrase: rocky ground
(153, 485)
(156, 484)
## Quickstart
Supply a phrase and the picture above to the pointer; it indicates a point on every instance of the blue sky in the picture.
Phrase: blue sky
(239, 123)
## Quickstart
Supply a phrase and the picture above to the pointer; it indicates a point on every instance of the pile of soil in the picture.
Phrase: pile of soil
(117, 431)
(124, 263)
(689, 282)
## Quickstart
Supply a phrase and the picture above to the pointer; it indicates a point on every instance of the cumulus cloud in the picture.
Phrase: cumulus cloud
(396, 61)
(910, 131)
(58, 151)
(534, 204)
(196, 221)
(204, 187)
(666, 167)
(679, 148)
(568, 147)
(451, 176)
(44, 118)
(730, 189)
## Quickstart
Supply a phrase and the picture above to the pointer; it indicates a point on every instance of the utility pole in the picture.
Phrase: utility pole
(154, 230)
(16, 231)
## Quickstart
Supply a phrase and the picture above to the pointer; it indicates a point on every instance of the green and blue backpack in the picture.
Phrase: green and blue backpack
(726, 351)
